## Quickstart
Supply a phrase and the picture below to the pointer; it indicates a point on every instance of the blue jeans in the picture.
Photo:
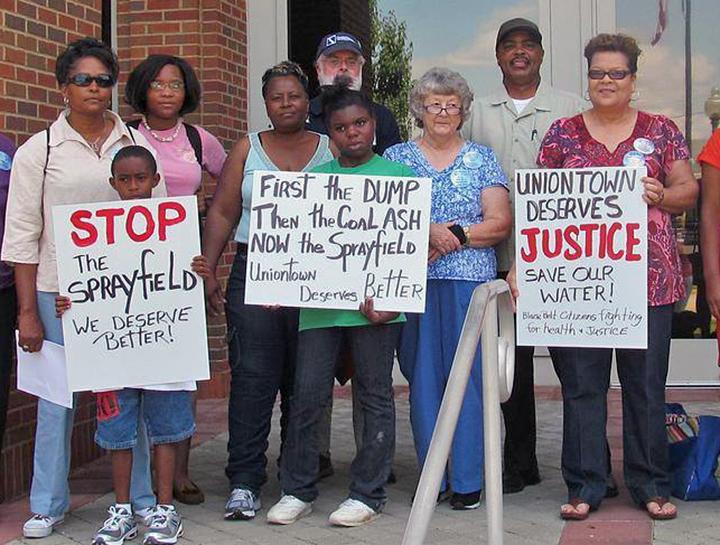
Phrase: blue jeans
(427, 349)
(262, 345)
(49, 491)
(318, 350)
(585, 377)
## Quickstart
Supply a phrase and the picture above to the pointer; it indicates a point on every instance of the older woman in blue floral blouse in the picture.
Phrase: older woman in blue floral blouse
(470, 214)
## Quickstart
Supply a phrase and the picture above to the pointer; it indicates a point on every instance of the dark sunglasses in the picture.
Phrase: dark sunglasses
(614, 74)
(85, 80)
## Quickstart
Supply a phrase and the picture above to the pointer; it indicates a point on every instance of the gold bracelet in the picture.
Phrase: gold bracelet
(466, 230)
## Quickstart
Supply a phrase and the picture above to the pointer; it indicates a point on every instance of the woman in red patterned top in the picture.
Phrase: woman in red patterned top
(607, 135)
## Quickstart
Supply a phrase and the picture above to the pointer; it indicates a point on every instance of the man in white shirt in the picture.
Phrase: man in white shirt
(512, 121)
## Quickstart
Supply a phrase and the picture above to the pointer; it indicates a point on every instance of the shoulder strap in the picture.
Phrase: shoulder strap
(133, 124)
(195, 141)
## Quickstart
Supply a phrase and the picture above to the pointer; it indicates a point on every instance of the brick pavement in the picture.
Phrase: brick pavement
(530, 517)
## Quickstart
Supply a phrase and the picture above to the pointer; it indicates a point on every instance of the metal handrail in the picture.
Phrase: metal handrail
(490, 312)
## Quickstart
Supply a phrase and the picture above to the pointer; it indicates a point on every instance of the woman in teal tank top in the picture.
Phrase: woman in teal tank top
(262, 342)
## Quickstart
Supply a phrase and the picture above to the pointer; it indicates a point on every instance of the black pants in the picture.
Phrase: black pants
(519, 415)
(8, 311)
(585, 377)
(262, 349)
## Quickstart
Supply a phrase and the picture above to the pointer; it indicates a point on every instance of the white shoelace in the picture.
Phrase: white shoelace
(116, 516)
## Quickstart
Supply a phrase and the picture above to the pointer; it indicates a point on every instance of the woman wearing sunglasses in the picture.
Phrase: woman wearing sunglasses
(163, 88)
(611, 134)
(67, 163)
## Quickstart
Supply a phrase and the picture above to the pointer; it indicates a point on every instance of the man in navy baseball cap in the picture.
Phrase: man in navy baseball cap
(338, 41)
(339, 55)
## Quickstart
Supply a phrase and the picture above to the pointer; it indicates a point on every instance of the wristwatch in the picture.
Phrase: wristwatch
(459, 232)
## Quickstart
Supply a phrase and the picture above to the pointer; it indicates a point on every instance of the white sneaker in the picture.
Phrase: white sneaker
(144, 515)
(41, 525)
(242, 505)
(119, 526)
(288, 510)
(352, 513)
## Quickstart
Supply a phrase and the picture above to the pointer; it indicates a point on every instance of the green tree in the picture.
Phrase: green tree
(391, 59)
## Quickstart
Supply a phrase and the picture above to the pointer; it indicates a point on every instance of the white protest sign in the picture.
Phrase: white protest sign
(138, 311)
(330, 240)
(581, 257)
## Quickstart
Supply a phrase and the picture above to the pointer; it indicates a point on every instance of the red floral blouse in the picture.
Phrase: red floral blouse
(568, 144)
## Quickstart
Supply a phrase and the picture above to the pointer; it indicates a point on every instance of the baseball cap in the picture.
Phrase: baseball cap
(516, 24)
(338, 41)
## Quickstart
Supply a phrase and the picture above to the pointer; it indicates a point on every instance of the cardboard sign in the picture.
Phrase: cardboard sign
(138, 311)
(330, 240)
(581, 257)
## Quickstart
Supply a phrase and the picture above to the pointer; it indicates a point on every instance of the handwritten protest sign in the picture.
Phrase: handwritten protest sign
(329, 240)
(138, 313)
(581, 257)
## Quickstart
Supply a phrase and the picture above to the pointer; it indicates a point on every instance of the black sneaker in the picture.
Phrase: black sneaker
(470, 500)
(443, 496)
(513, 483)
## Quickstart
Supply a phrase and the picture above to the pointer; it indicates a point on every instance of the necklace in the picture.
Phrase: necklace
(95, 144)
(159, 138)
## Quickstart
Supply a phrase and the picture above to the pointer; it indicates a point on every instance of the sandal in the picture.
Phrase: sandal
(661, 502)
(575, 515)
(189, 494)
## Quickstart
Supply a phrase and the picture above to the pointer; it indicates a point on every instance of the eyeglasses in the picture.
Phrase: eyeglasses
(614, 74)
(174, 85)
(436, 109)
(85, 80)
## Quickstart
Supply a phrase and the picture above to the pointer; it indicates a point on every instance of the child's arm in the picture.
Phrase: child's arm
(200, 266)
(62, 303)
(376, 316)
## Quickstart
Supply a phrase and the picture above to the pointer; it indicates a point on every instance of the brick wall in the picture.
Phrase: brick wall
(211, 34)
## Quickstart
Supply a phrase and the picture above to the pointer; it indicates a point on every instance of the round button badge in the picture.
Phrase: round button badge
(458, 177)
(5, 161)
(644, 146)
(472, 159)
(634, 159)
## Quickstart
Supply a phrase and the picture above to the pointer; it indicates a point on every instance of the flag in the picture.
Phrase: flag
(662, 21)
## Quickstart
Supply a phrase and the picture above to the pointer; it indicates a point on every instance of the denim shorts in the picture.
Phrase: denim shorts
(168, 416)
